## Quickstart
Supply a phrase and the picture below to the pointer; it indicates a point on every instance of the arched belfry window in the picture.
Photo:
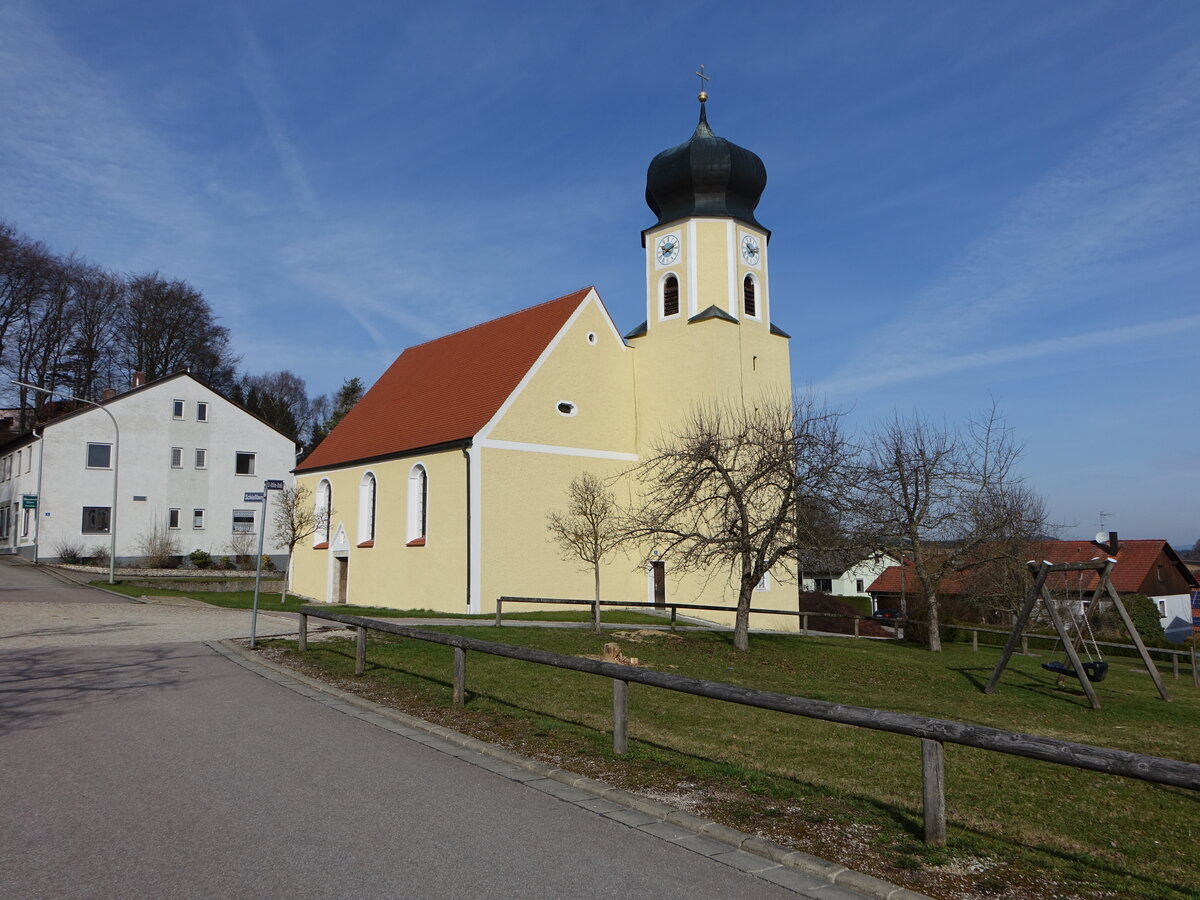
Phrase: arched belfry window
(366, 510)
(418, 505)
(670, 296)
(749, 297)
(323, 512)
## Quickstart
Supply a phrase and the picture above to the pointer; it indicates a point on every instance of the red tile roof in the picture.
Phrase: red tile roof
(444, 390)
(1135, 562)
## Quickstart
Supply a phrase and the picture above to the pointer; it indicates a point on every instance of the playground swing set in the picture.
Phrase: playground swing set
(1096, 668)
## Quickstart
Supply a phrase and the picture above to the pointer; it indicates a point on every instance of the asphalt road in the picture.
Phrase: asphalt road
(135, 766)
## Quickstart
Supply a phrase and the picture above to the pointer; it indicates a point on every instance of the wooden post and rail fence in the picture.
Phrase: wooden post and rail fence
(804, 617)
(933, 733)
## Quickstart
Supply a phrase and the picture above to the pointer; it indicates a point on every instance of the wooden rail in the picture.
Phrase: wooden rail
(932, 732)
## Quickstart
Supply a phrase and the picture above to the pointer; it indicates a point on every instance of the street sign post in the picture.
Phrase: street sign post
(260, 497)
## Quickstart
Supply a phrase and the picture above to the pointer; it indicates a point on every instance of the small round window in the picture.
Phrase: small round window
(591, 337)
(565, 408)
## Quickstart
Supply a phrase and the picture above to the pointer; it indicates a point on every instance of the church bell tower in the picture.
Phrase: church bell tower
(708, 335)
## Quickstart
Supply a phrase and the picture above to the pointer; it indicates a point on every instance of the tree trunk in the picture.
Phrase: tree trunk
(741, 625)
(287, 577)
(934, 638)
(596, 605)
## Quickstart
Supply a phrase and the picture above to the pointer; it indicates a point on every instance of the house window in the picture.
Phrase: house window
(243, 521)
(1162, 608)
(25, 522)
(197, 518)
(201, 458)
(858, 585)
(764, 583)
(1160, 574)
(201, 412)
(749, 302)
(176, 457)
(172, 518)
(244, 464)
(823, 585)
(177, 409)
(19, 457)
(324, 512)
(99, 456)
(366, 508)
(95, 519)
(670, 296)
(418, 505)
(29, 460)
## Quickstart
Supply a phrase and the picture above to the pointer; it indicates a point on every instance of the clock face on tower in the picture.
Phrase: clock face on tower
(666, 249)
(750, 249)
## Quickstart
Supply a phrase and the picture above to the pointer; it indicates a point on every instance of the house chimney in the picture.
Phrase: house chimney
(1113, 546)
(139, 378)
(107, 394)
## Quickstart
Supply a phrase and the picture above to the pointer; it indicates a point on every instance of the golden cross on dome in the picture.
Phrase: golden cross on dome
(703, 78)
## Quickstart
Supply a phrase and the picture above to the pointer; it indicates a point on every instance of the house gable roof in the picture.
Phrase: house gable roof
(1135, 563)
(445, 390)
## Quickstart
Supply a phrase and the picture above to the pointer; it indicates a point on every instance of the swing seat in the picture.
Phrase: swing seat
(1095, 670)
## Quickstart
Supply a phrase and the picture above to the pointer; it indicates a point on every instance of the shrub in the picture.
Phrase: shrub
(69, 551)
(241, 548)
(226, 563)
(1144, 613)
(159, 546)
(99, 556)
(268, 564)
(201, 559)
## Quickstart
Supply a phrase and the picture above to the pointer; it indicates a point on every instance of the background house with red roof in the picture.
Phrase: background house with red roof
(1148, 567)
(440, 479)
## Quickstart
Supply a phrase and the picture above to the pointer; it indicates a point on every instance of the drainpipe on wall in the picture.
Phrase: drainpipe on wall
(466, 452)
(37, 518)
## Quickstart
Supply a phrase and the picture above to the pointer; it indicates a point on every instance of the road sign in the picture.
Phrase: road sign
(29, 501)
(273, 484)
(256, 497)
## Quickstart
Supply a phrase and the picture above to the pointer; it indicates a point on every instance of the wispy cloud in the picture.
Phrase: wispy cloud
(1060, 240)
(259, 77)
(999, 356)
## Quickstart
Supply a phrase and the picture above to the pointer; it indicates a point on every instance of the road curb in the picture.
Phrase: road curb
(662, 814)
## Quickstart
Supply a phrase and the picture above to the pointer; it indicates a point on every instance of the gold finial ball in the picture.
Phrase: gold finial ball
(703, 96)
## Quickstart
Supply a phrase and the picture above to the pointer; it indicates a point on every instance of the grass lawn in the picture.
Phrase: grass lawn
(1017, 827)
(268, 601)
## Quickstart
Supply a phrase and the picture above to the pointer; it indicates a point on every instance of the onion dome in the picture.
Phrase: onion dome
(705, 176)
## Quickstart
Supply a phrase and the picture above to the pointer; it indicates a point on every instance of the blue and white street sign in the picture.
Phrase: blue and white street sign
(255, 497)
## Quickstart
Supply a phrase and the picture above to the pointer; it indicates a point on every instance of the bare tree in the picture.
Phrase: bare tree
(948, 499)
(280, 399)
(589, 530)
(723, 494)
(297, 518)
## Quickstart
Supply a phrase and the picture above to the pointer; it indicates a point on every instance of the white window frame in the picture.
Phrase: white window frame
(106, 530)
(201, 411)
(197, 519)
(176, 457)
(173, 513)
(757, 314)
(201, 458)
(368, 490)
(323, 504)
(237, 456)
(418, 505)
(244, 514)
(88, 457)
(662, 296)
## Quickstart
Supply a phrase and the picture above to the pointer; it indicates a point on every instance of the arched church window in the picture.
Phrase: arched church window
(418, 505)
(749, 301)
(323, 512)
(366, 509)
(670, 296)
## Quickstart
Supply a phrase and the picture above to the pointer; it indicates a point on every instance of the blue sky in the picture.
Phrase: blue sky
(970, 202)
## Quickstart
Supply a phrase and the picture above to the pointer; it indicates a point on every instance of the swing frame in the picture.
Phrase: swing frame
(1038, 591)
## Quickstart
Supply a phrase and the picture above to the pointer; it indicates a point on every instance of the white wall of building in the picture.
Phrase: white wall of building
(149, 485)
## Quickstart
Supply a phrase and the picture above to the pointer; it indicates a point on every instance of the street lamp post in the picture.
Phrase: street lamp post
(112, 513)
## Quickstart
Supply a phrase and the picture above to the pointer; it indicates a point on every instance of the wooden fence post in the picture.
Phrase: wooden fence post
(302, 634)
(933, 790)
(1175, 665)
(460, 676)
(360, 655)
(856, 620)
(1195, 674)
(674, 613)
(499, 603)
(806, 624)
(620, 716)
(975, 639)
(1024, 645)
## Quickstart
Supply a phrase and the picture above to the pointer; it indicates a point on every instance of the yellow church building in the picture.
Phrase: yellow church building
(440, 479)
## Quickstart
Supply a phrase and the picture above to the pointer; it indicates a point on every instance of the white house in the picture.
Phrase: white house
(843, 574)
(185, 460)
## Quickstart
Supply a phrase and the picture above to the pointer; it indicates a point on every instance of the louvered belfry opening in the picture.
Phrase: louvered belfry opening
(671, 296)
(748, 299)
